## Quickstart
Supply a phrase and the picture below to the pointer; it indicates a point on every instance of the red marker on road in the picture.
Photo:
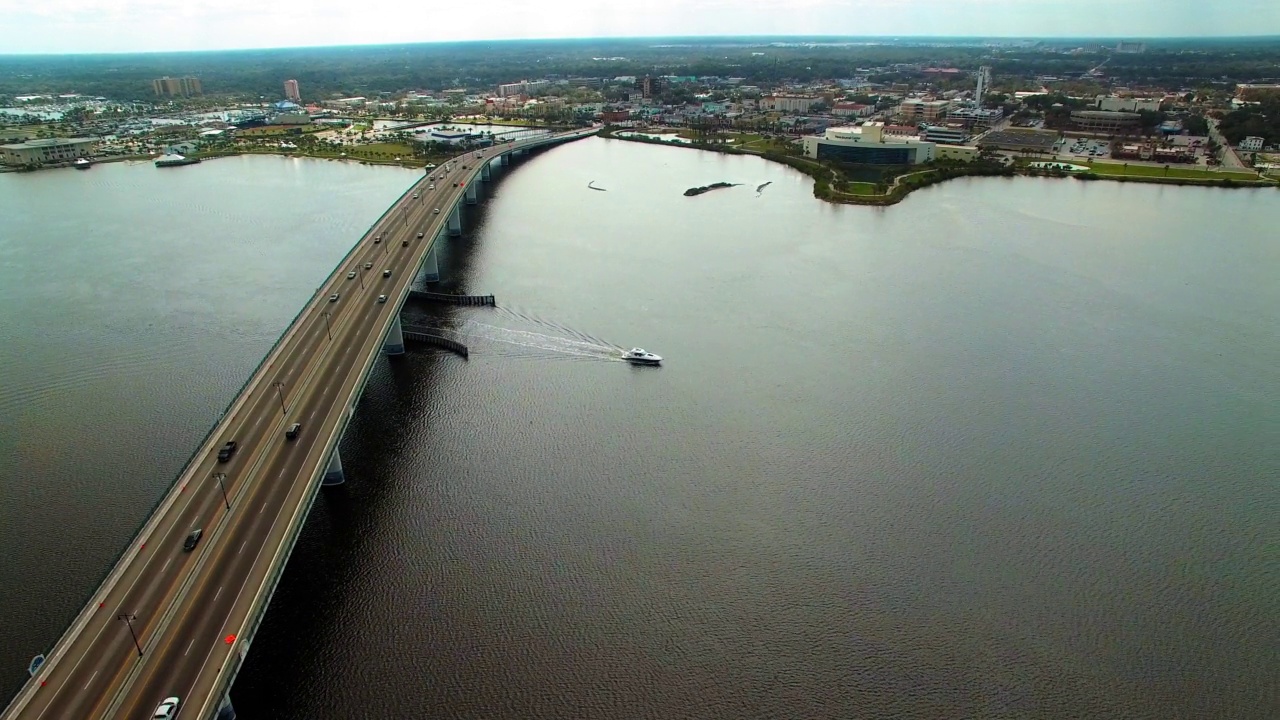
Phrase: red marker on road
(231, 638)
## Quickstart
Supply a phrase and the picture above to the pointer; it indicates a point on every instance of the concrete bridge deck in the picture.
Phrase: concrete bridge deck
(194, 613)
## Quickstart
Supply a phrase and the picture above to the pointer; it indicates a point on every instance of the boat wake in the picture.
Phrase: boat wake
(537, 343)
(550, 342)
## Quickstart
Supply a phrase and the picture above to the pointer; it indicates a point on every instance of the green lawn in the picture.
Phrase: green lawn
(745, 139)
(1174, 171)
(861, 188)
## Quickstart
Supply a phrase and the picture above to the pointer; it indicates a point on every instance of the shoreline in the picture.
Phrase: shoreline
(825, 179)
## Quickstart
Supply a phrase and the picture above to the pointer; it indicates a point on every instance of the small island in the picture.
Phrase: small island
(708, 188)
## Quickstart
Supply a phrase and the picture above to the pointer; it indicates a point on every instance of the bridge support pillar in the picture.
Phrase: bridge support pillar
(502, 159)
(485, 173)
(431, 268)
(394, 344)
(455, 221)
(227, 711)
(472, 195)
(334, 475)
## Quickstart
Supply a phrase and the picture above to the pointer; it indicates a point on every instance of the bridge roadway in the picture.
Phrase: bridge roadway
(191, 609)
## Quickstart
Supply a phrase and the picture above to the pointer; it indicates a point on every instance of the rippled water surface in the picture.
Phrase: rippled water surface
(1006, 450)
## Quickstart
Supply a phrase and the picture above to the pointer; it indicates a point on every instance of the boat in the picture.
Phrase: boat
(640, 356)
(81, 164)
(175, 160)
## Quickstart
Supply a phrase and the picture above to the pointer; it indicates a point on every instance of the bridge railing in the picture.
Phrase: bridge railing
(136, 538)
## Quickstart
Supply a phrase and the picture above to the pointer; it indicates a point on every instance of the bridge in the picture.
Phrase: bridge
(176, 621)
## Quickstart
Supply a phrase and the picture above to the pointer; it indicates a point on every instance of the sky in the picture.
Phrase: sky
(84, 26)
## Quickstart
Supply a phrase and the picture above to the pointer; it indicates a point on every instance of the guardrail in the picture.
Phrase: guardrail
(232, 669)
(88, 606)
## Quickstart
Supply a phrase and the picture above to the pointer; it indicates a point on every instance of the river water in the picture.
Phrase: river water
(1008, 449)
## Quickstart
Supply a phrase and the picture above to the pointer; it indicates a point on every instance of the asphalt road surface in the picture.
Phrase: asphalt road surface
(183, 606)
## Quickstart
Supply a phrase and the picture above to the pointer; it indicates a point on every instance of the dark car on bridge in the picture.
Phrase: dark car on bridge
(227, 451)
(192, 540)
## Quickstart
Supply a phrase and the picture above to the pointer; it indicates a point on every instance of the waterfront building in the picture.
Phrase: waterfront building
(869, 145)
(1252, 143)
(962, 153)
(49, 151)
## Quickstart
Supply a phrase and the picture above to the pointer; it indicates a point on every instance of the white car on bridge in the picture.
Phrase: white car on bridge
(167, 709)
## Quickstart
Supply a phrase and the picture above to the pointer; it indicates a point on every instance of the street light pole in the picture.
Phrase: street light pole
(327, 331)
(128, 619)
(221, 478)
(279, 386)
(361, 277)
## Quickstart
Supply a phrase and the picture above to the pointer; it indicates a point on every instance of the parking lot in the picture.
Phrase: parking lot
(1082, 148)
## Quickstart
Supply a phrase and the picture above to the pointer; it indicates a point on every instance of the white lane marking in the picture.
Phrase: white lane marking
(215, 595)
(241, 547)
(193, 642)
(91, 677)
(261, 508)
(166, 564)
(243, 585)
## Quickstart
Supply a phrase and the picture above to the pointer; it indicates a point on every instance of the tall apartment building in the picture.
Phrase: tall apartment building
(291, 91)
(790, 103)
(524, 87)
(176, 87)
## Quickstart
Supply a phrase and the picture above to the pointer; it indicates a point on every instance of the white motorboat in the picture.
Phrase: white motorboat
(639, 356)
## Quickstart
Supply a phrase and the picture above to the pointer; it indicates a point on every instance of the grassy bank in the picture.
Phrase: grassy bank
(832, 185)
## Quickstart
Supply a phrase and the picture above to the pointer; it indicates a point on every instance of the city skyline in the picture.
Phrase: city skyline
(94, 26)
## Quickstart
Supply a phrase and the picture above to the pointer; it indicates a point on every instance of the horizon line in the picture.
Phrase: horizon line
(899, 37)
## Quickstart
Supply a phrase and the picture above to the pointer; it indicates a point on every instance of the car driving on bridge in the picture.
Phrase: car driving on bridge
(382, 299)
(192, 540)
(167, 709)
(228, 449)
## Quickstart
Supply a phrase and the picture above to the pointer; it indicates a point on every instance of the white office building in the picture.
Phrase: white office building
(1253, 143)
